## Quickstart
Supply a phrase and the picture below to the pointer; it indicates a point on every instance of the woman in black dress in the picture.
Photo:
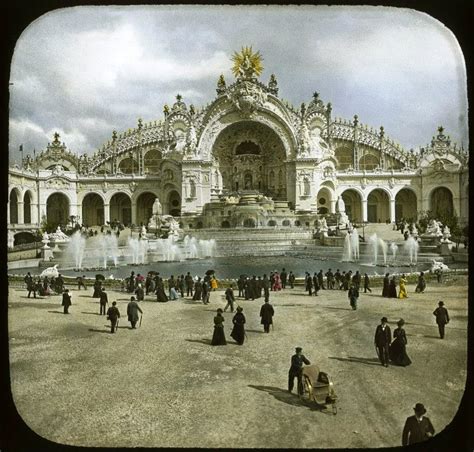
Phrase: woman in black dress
(160, 291)
(421, 286)
(397, 351)
(218, 337)
(197, 290)
(97, 288)
(386, 284)
(238, 332)
(392, 288)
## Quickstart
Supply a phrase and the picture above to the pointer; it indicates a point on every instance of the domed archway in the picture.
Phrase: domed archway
(406, 205)
(121, 209)
(27, 207)
(251, 156)
(353, 205)
(57, 210)
(145, 207)
(14, 206)
(378, 206)
(92, 210)
(441, 202)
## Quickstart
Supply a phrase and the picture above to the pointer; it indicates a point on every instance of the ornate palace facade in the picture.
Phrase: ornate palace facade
(248, 158)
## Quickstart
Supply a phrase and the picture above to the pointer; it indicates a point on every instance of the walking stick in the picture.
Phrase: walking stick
(141, 317)
(116, 325)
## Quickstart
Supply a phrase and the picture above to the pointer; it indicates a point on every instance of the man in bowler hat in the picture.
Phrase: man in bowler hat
(383, 337)
(417, 428)
(442, 318)
(296, 370)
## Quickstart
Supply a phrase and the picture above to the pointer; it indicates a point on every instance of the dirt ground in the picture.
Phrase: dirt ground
(163, 385)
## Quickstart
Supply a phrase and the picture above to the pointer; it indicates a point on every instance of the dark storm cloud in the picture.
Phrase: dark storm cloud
(86, 71)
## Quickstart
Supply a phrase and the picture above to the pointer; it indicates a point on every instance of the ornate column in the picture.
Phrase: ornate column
(20, 205)
(392, 210)
(106, 213)
(356, 153)
(34, 213)
(332, 207)
(134, 212)
(364, 209)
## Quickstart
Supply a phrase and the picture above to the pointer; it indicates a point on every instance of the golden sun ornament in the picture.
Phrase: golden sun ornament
(247, 63)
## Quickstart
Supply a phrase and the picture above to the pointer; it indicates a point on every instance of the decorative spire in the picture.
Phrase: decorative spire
(140, 123)
(273, 84)
(56, 138)
(356, 120)
(316, 96)
(114, 136)
(221, 85)
(166, 110)
(191, 110)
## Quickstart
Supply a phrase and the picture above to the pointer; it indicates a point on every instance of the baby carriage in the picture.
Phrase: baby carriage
(318, 387)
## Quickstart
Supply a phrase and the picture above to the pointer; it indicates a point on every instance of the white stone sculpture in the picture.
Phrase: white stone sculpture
(50, 272)
(11, 239)
(157, 209)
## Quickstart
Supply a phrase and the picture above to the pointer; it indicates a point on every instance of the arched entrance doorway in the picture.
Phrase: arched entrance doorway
(27, 208)
(323, 200)
(174, 203)
(92, 210)
(251, 156)
(353, 204)
(378, 206)
(57, 210)
(14, 207)
(145, 207)
(442, 202)
(406, 205)
(121, 209)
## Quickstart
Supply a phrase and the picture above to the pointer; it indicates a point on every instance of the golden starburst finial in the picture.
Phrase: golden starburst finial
(247, 63)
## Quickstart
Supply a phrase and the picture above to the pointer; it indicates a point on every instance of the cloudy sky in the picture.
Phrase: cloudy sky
(86, 71)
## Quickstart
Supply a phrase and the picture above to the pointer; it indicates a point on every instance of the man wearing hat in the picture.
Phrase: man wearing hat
(296, 370)
(113, 314)
(266, 314)
(417, 428)
(230, 298)
(442, 318)
(103, 301)
(132, 311)
(383, 337)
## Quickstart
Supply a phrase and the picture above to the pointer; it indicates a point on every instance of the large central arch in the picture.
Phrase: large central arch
(251, 156)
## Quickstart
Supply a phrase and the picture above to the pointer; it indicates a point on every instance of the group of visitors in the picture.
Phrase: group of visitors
(390, 286)
(43, 287)
(238, 321)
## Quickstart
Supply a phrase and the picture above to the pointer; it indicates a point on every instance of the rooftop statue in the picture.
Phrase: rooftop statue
(247, 64)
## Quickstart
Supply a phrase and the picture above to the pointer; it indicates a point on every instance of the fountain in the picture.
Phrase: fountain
(75, 248)
(394, 250)
(411, 249)
(355, 244)
(350, 252)
(375, 243)
(137, 249)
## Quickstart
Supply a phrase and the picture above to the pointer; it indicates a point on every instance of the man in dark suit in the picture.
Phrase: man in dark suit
(266, 314)
(113, 314)
(189, 284)
(266, 287)
(442, 318)
(383, 337)
(316, 285)
(296, 370)
(66, 302)
(417, 428)
(103, 301)
(309, 284)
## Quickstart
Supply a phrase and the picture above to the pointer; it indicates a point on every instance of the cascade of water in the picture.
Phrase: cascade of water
(75, 248)
(373, 246)
(393, 249)
(383, 246)
(347, 249)
(411, 247)
(355, 244)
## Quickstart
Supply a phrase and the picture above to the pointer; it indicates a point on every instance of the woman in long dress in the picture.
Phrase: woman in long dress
(403, 289)
(160, 291)
(392, 288)
(276, 282)
(213, 283)
(197, 290)
(421, 286)
(397, 351)
(218, 338)
(386, 284)
(173, 293)
(238, 332)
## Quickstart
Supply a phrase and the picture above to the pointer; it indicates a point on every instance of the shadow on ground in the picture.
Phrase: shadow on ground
(355, 359)
(282, 395)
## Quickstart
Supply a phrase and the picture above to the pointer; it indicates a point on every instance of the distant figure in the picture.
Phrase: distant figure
(218, 338)
(132, 312)
(316, 285)
(353, 295)
(421, 286)
(238, 332)
(296, 370)
(386, 285)
(213, 283)
(160, 291)
(309, 284)
(383, 337)
(266, 314)
(276, 282)
(230, 298)
(206, 291)
(397, 350)
(103, 301)
(283, 277)
(442, 318)
(66, 301)
(417, 428)
(266, 287)
(113, 315)
(81, 282)
(366, 283)
(189, 284)
(97, 288)
(197, 290)
(403, 288)
(291, 280)
(139, 292)
(30, 285)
